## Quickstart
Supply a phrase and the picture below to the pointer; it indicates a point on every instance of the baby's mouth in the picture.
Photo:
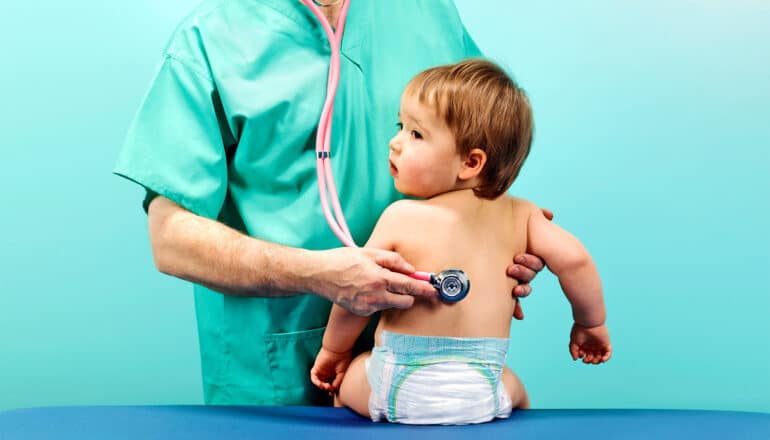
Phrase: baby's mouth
(393, 169)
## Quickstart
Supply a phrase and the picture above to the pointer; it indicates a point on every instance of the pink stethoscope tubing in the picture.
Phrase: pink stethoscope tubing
(326, 186)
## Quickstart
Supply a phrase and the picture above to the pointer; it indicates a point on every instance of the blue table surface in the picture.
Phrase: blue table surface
(257, 422)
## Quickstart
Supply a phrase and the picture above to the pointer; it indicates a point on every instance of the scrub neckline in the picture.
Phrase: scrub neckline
(301, 14)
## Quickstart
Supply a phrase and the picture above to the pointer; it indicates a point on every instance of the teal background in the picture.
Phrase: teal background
(652, 136)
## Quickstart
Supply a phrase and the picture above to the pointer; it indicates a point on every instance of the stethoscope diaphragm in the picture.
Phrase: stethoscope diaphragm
(452, 285)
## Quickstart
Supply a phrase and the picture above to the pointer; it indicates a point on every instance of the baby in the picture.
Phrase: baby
(464, 132)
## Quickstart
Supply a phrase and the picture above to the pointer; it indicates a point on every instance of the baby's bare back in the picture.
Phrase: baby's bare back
(461, 231)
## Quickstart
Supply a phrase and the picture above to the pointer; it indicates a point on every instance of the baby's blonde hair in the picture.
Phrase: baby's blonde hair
(485, 109)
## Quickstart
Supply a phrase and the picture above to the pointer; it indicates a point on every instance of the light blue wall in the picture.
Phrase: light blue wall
(652, 137)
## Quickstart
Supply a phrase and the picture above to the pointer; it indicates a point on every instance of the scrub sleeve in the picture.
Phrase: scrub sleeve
(253, 350)
(175, 146)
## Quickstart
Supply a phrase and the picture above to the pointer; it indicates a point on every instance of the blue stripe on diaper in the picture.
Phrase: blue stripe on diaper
(411, 348)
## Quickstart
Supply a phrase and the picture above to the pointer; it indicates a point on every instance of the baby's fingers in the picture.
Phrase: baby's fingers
(325, 386)
(337, 381)
(573, 350)
(607, 353)
(600, 356)
(320, 379)
(315, 379)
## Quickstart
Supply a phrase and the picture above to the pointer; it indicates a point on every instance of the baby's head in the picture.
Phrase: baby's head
(464, 125)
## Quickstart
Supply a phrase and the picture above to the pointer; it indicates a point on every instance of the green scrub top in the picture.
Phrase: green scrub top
(227, 130)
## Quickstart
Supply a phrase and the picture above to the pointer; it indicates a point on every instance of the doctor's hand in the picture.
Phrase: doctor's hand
(367, 280)
(524, 269)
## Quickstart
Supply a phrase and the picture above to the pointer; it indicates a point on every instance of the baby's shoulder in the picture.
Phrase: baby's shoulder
(519, 206)
(408, 210)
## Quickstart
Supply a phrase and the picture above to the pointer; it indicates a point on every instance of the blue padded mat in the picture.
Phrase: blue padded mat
(255, 422)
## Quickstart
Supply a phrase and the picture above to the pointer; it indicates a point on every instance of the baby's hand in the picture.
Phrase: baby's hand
(592, 344)
(329, 369)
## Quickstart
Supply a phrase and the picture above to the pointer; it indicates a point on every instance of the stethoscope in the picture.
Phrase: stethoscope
(452, 284)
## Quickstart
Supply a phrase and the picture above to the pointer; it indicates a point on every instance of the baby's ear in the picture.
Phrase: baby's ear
(473, 164)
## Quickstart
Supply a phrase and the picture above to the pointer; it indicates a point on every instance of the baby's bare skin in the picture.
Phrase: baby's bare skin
(461, 231)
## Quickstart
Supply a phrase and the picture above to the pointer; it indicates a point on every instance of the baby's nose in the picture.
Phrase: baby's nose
(393, 144)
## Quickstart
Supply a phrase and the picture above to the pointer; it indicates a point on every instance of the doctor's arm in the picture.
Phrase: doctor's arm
(212, 254)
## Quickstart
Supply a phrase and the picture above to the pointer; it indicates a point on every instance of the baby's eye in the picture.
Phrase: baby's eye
(400, 126)
(416, 134)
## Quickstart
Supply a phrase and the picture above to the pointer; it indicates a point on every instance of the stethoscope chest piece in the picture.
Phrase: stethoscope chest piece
(452, 285)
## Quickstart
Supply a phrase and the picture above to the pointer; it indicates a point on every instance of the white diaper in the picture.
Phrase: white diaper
(437, 380)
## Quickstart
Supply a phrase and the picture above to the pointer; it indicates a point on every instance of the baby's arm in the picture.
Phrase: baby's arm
(566, 257)
(333, 360)
(344, 327)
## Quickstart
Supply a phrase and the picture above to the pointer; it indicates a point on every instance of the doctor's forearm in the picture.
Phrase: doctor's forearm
(212, 254)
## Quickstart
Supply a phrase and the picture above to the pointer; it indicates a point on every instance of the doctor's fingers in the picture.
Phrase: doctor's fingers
(520, 273)
(521, 291)
(405, 285)
(390, 260)
(527, 266)
(518, 312)
(397, 301)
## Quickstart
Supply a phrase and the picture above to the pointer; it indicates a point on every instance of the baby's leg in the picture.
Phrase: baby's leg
(354, 391)
(515, 389)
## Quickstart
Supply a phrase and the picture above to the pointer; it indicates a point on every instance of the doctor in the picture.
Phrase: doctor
(223, 144)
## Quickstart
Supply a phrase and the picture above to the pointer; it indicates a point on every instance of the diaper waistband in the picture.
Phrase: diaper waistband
(405, 347)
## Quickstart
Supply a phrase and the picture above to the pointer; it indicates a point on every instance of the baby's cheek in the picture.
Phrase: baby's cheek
(422, 171)
(432, 175)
